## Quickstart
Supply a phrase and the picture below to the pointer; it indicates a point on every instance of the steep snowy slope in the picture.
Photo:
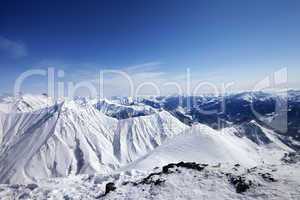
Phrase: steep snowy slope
(56, 141)
(72, 138)
(81, 143)
(23, 135)
(137, 136)
(260, 135)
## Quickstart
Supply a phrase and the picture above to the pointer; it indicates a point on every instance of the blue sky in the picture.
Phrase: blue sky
(220, 41)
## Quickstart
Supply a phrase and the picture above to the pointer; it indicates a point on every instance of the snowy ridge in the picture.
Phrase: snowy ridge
(137, 136)
(205, 145)
(24, 103)
(123, 111)
(71, 139)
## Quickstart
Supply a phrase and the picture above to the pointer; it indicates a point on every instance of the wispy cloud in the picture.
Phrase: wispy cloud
(116, 79)
(12, 49)
(144, 67)
(142, 79)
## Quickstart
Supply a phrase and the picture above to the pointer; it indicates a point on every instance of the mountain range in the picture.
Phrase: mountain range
(42, 138)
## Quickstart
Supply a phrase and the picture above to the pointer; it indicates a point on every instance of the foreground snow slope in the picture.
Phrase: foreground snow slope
(277, 182)
(268, 182)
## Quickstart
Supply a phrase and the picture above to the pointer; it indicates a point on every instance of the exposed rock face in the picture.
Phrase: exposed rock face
(110, 187)
(292, 157)
(240, 183)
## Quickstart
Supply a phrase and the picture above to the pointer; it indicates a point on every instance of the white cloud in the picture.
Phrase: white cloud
(144, 79)
(11, 48)
(118, 83)
(144, 67)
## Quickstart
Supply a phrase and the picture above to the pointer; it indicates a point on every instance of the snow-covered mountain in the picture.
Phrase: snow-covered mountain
(69, 138)
(42, 139)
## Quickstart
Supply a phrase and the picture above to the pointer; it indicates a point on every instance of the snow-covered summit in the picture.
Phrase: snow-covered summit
(70, 138)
